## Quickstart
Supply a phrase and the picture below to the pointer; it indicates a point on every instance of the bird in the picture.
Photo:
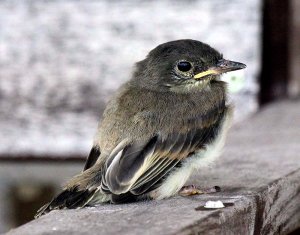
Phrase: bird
(167, 121)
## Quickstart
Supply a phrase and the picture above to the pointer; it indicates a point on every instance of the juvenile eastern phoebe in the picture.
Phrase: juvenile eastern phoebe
(168, 120)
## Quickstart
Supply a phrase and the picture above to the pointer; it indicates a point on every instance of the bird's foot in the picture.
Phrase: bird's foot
(190, 190)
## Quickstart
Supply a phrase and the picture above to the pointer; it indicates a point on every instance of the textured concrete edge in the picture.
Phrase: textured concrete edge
(237, 219)
(278, 206)
(271, 209)
(258, 213)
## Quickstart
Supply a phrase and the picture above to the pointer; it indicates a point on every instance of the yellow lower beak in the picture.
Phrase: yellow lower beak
(205, 73)
(222, 66)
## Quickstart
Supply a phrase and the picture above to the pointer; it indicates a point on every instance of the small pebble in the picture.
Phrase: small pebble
(214, 204)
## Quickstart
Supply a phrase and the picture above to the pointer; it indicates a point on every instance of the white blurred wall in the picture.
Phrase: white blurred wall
(61, 60)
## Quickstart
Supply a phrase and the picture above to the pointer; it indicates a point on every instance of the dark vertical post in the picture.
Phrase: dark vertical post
(294, 83)
(275, 57)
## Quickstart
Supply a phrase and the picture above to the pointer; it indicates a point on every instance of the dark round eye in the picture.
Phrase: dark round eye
(184, 66)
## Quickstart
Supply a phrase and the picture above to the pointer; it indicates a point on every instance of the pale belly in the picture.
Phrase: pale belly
(203, 158)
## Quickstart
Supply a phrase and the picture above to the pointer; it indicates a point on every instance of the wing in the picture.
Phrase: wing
(137, 167)
(92, 158)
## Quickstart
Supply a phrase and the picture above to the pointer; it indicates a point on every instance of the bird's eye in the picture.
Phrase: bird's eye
(184, 66)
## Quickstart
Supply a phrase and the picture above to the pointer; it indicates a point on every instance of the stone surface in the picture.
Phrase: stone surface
(61, 60)
(258, 173)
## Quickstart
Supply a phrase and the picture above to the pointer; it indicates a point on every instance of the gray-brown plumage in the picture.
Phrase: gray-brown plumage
(168, 120)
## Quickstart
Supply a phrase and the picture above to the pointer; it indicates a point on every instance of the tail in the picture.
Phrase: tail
(79, 191)
(69, 198)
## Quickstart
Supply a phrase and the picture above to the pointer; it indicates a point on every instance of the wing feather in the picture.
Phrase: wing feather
(92, 158)
(138, 167)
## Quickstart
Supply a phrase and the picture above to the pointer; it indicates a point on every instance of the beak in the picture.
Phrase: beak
(222, 66)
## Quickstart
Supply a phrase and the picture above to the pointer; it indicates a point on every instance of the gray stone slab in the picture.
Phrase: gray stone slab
(259, 172)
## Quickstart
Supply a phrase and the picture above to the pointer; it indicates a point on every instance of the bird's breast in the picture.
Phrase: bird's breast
(201, 158)
(139, 114)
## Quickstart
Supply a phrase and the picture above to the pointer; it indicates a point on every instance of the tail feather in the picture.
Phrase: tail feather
(69, 198)
(79, 191)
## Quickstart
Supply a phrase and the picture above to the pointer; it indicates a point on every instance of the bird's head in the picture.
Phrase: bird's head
(183, 65)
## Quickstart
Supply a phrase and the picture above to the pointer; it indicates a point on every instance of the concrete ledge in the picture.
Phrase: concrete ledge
(259, 175)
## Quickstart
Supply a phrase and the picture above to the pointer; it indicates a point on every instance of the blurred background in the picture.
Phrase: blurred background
(60, 61)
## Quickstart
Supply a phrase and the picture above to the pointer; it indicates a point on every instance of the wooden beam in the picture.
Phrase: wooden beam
(275, 50)
(294, 84)
(259, 178)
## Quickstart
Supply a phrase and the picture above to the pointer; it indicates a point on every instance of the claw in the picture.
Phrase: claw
(190, 190)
